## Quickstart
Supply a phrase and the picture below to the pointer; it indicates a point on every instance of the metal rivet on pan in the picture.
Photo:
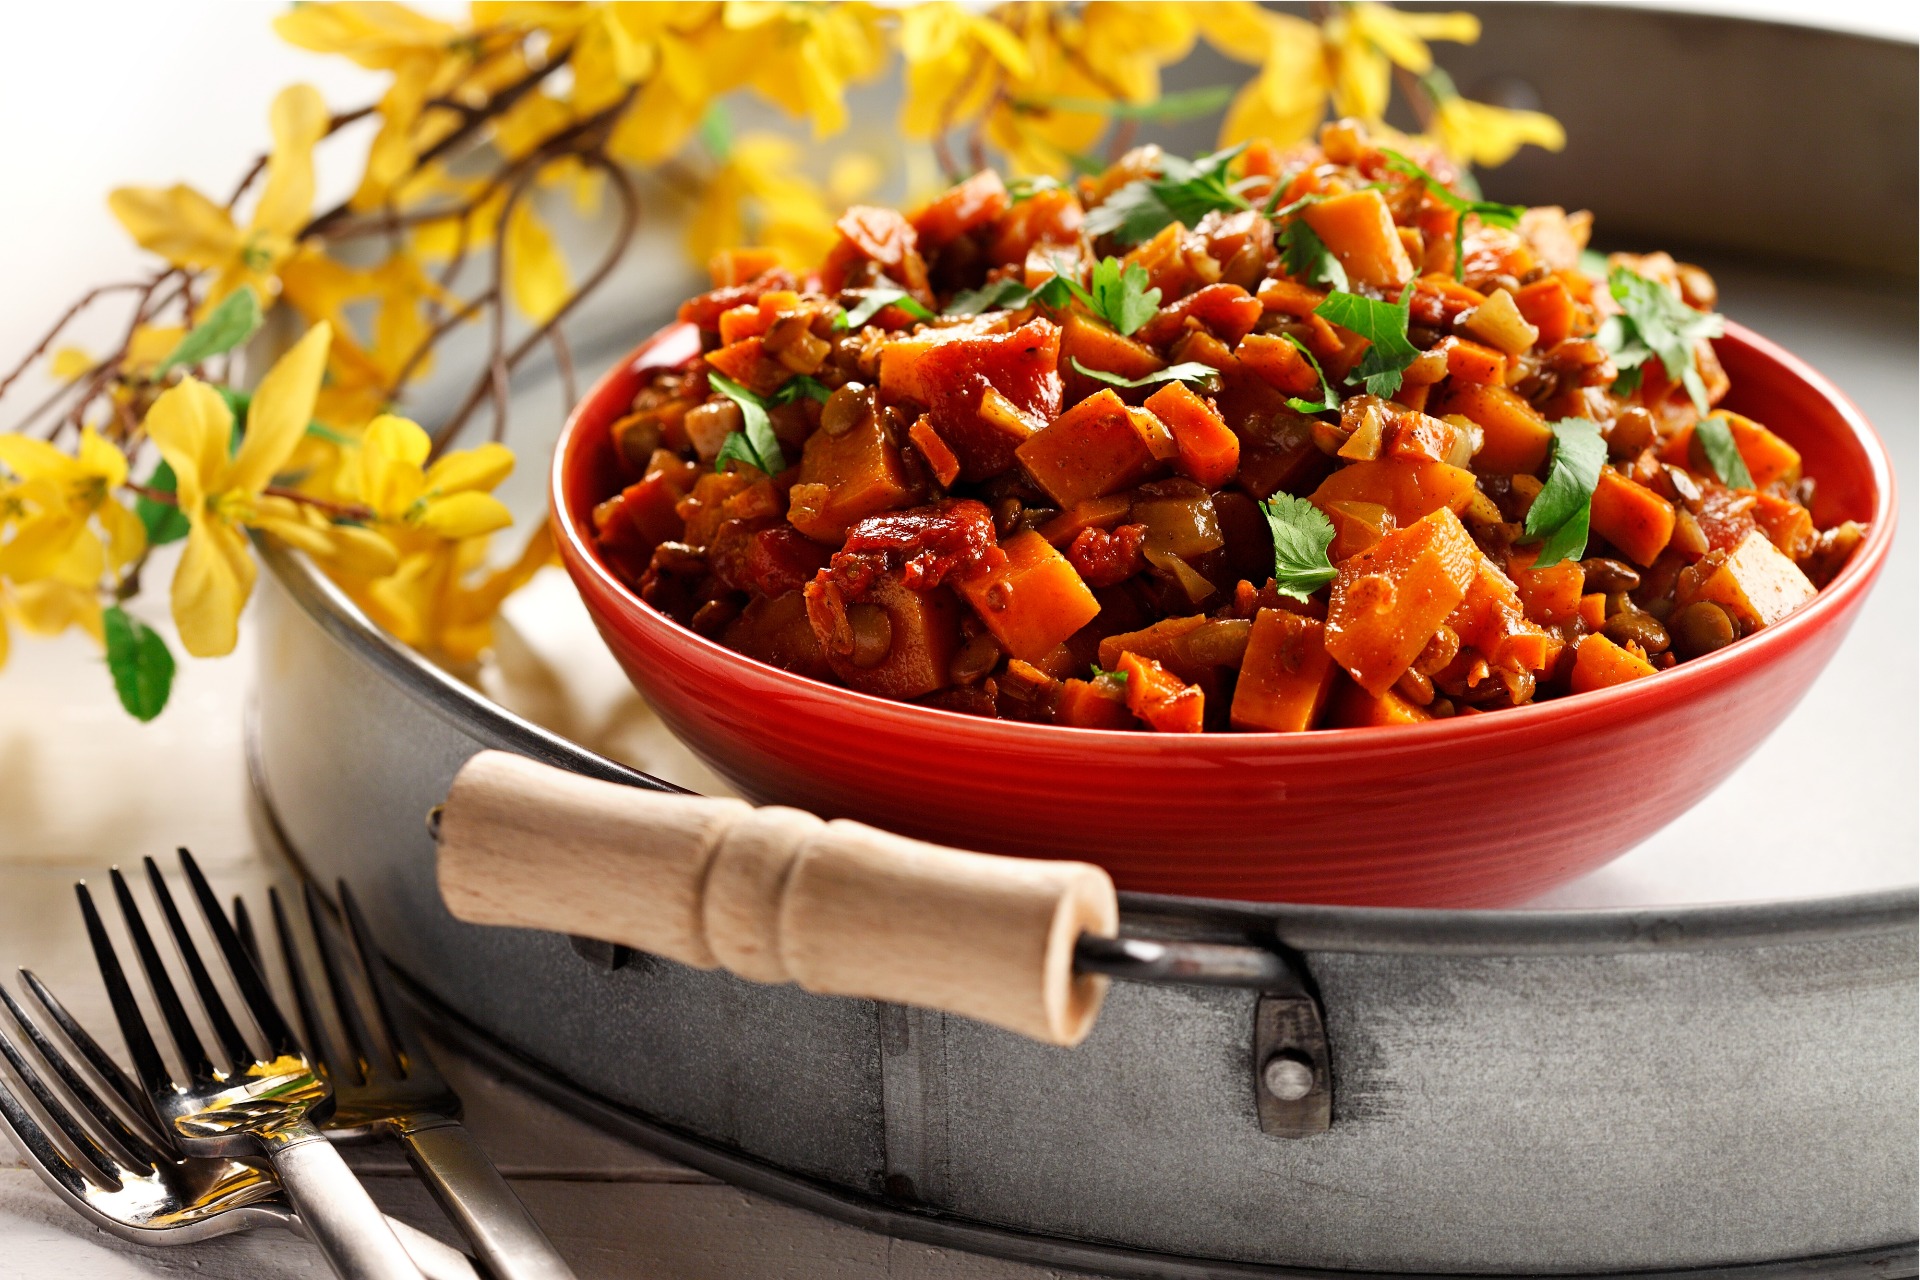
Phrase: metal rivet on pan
(1287, 1076)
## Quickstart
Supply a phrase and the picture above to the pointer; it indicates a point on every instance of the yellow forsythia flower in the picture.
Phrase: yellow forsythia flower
(449, 499)
(220, 494)
(758, 196)
(944, 47)
(1480, 133)
(56, 502)
(1367, 40)
(48, 608)
(443, 599)
(803, 56)
(1288, 98)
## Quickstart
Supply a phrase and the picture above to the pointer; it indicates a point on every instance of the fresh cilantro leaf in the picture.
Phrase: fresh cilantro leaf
(877, 300)
(716, 130)
(1593, 262)
(1384, 326)
(1185, 192)
(227, 326)
(1100, 672)
(1654, 322)
(801, 387)
(1560, 513)
(139, 661)
(1491, 212)
(1723, 454)
(1055, 292)
(164, 521)
(1305, 256)
(756, 445)
(1328, 400)
(1189, 104)
(1204, 376)
(1027, 188)
(1009, 294)
(1121, 297)
(1301, 535)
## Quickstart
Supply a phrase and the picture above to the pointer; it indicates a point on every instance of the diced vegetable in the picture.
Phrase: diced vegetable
(1160, 698)
(1094, 704)
(1356, 526)
(1096, 346)
(1094, 448)
(1754, 583)
(952, 374)
(962, 208)
(1516, 436)
(1033, 600)
(1599, 662)
(1208, 454)
(1550, 595)
(1358, 228)
(1354, 708)
(1389, 599)
(1408, 490)
(1631, 516)
(1092, 513)
(846, 478)
(893, 642)
(1490, 619)
(1285, 675)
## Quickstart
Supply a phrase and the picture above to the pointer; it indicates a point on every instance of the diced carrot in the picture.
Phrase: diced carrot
(748, 364)
(1031, 602)
(1160, 698)
(1517, 437)
(1048, 218)
(1093, 704)
(1285, 675)
(846, 478)
(1092, 513)
(1599, 663)
(1165, 262)
(1279, 363)
(1548, 595)
(1356, 526)
(923, 633)
(1390, 599)
(1417, 437)
(1470, 361)
(1289, 298)
(1593, 610)
(881, 235)
(1098, 347)
(1631, 516)
(1208, 453)
(741, 322)
(1354, 708)
(946, 467)
(1161, 642)
(1439, 300)
(1225, 310)
(1358, 229)
(1094, 448)
(964, 207)
(1410, 490)
(1756, 584)
(1490, 619)
(1548, 305)
(1785, 522)
(1768, 457)
(731, 267)
(1414, 395)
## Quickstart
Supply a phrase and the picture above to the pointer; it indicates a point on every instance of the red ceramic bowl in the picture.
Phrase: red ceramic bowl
(1478, 811)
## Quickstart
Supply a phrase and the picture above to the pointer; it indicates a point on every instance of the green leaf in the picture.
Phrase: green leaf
(1491, 212)
(226, 327)
(875, 301)
(1654, 322)
(1027, 188)
(1185, 192)
(1328, 400)
(1121, 297)
(1188, 104)
(716, 131)
(801, 387)
(1560, 513)
(165, 522)
(757, 445)
(1301, 535)
(1305, 256)
(1204, 376)
(1593, 262)
(1053, 293)
(1715, 435)
(1384, 326)
(142, 667)
(1101, 673)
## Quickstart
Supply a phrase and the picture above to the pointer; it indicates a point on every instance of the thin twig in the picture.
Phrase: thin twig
(66, 318)
(563, 361)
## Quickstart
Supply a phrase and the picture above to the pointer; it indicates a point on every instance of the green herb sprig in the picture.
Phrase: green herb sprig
(756, 445)
(1491, 212)
(1561, 512)
(1204, 376)
(1185, 192)
(1653, 322)
(1328, 399)
(1723, 452)
(1305, 256)
(1384, 326)
(878, 300)
(1301, 536)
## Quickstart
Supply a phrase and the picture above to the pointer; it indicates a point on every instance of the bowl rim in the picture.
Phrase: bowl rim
(1697, 675)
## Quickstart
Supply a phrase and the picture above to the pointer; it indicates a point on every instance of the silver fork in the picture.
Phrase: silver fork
(126, 1178)
(255, 1105)
(384, 1082)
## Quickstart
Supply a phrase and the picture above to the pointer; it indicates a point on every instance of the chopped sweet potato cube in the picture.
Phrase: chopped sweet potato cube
(1285, 676)
(1491, 620)
(1356, 526)
(748, 364)
(1547, 595)
(1208, 452)
(964, 207)
(1409, 490)
(1098, 347)
(1390, 599)
(1278, 363)
(1094, 448)
(1517, 437)
(1768, 457)
(1599, 662)
(1469, 361)
(1786, 523)
(1092, 513)
(1548, 305)
(1755, 583)
(1033, 600)
(1351, 707)
(1162, 699)
(1358, 229)
(1225, 310)
(846, 478)
(951, 372)
(1593, 610)
(1631, 516)
(1093, 704)
(775, 630)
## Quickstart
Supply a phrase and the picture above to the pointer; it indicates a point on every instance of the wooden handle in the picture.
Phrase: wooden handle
(776, 895)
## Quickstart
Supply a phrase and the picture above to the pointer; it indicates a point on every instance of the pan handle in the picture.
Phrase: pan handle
(776, 895)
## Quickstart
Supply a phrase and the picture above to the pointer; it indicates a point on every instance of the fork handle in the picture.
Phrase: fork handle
(508, 1242)
(340, 1217)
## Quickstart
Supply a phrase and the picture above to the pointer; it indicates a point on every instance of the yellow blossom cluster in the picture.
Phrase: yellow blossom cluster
(448, 225)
